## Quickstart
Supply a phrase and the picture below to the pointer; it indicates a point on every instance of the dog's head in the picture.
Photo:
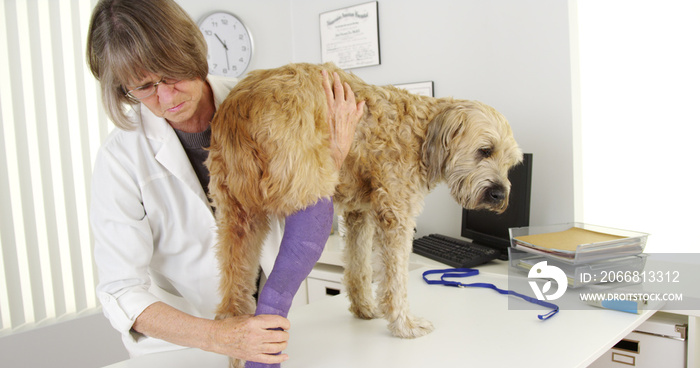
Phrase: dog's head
(470, 145)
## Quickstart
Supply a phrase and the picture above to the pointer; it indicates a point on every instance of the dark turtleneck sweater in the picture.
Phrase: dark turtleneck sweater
(194, 145)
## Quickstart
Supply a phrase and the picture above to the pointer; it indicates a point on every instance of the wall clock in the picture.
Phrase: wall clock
(229, 43)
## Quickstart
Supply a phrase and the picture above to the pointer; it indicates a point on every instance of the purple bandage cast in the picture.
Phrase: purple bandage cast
(305, 236)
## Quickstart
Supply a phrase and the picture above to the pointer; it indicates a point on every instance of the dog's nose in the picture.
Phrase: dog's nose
(496, 194)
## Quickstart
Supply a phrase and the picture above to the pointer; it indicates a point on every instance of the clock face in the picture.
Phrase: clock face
(229, 43)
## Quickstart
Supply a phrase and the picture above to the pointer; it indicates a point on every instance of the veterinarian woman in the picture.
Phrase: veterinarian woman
(153, 227)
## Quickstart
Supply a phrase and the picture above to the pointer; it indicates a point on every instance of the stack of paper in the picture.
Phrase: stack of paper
(576, 243)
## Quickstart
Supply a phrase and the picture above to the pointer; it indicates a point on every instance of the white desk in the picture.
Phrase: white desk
(473, 328)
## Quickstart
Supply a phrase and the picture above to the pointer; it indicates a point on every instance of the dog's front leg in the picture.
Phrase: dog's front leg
(240, 237)
(394, 238)
(305, 236)
(358, 264)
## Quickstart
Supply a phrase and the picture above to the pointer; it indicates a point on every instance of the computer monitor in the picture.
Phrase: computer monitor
(491, 229)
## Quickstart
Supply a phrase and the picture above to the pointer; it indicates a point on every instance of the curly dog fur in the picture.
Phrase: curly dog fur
(270, 155)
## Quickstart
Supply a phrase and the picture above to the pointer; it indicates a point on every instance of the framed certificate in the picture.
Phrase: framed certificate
(350, 36)
(419, 88)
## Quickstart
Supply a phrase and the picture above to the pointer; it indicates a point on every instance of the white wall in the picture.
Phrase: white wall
(268, 21)
(511, 54)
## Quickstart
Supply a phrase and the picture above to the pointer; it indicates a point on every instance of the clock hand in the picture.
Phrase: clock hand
(222, 42)
(225, 48)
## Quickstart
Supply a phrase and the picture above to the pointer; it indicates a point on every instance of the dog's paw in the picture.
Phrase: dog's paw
(364, 311)
(410, 327)
(236, 363)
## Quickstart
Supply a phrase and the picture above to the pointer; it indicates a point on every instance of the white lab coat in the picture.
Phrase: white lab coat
(153, 227)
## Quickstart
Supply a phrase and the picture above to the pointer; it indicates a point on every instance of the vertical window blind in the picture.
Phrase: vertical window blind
(51, 125)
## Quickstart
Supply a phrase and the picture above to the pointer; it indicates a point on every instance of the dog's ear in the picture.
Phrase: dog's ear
(446, 125)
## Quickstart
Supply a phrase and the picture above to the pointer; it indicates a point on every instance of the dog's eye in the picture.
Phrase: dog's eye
(485, 152)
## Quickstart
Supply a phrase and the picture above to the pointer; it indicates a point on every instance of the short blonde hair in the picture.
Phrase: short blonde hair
(128, 39)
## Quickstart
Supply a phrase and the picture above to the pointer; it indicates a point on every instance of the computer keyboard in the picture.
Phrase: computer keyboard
(453, 252)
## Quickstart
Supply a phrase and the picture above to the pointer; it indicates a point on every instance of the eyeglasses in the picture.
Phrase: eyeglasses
(147, 90)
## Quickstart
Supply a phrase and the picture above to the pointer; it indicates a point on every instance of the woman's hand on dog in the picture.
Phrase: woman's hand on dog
(251, 338)
(343, 115)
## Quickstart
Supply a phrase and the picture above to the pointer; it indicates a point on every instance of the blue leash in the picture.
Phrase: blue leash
(467, 272)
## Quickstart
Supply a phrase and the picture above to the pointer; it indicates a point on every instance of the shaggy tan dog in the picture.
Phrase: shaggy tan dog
(270, 154)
